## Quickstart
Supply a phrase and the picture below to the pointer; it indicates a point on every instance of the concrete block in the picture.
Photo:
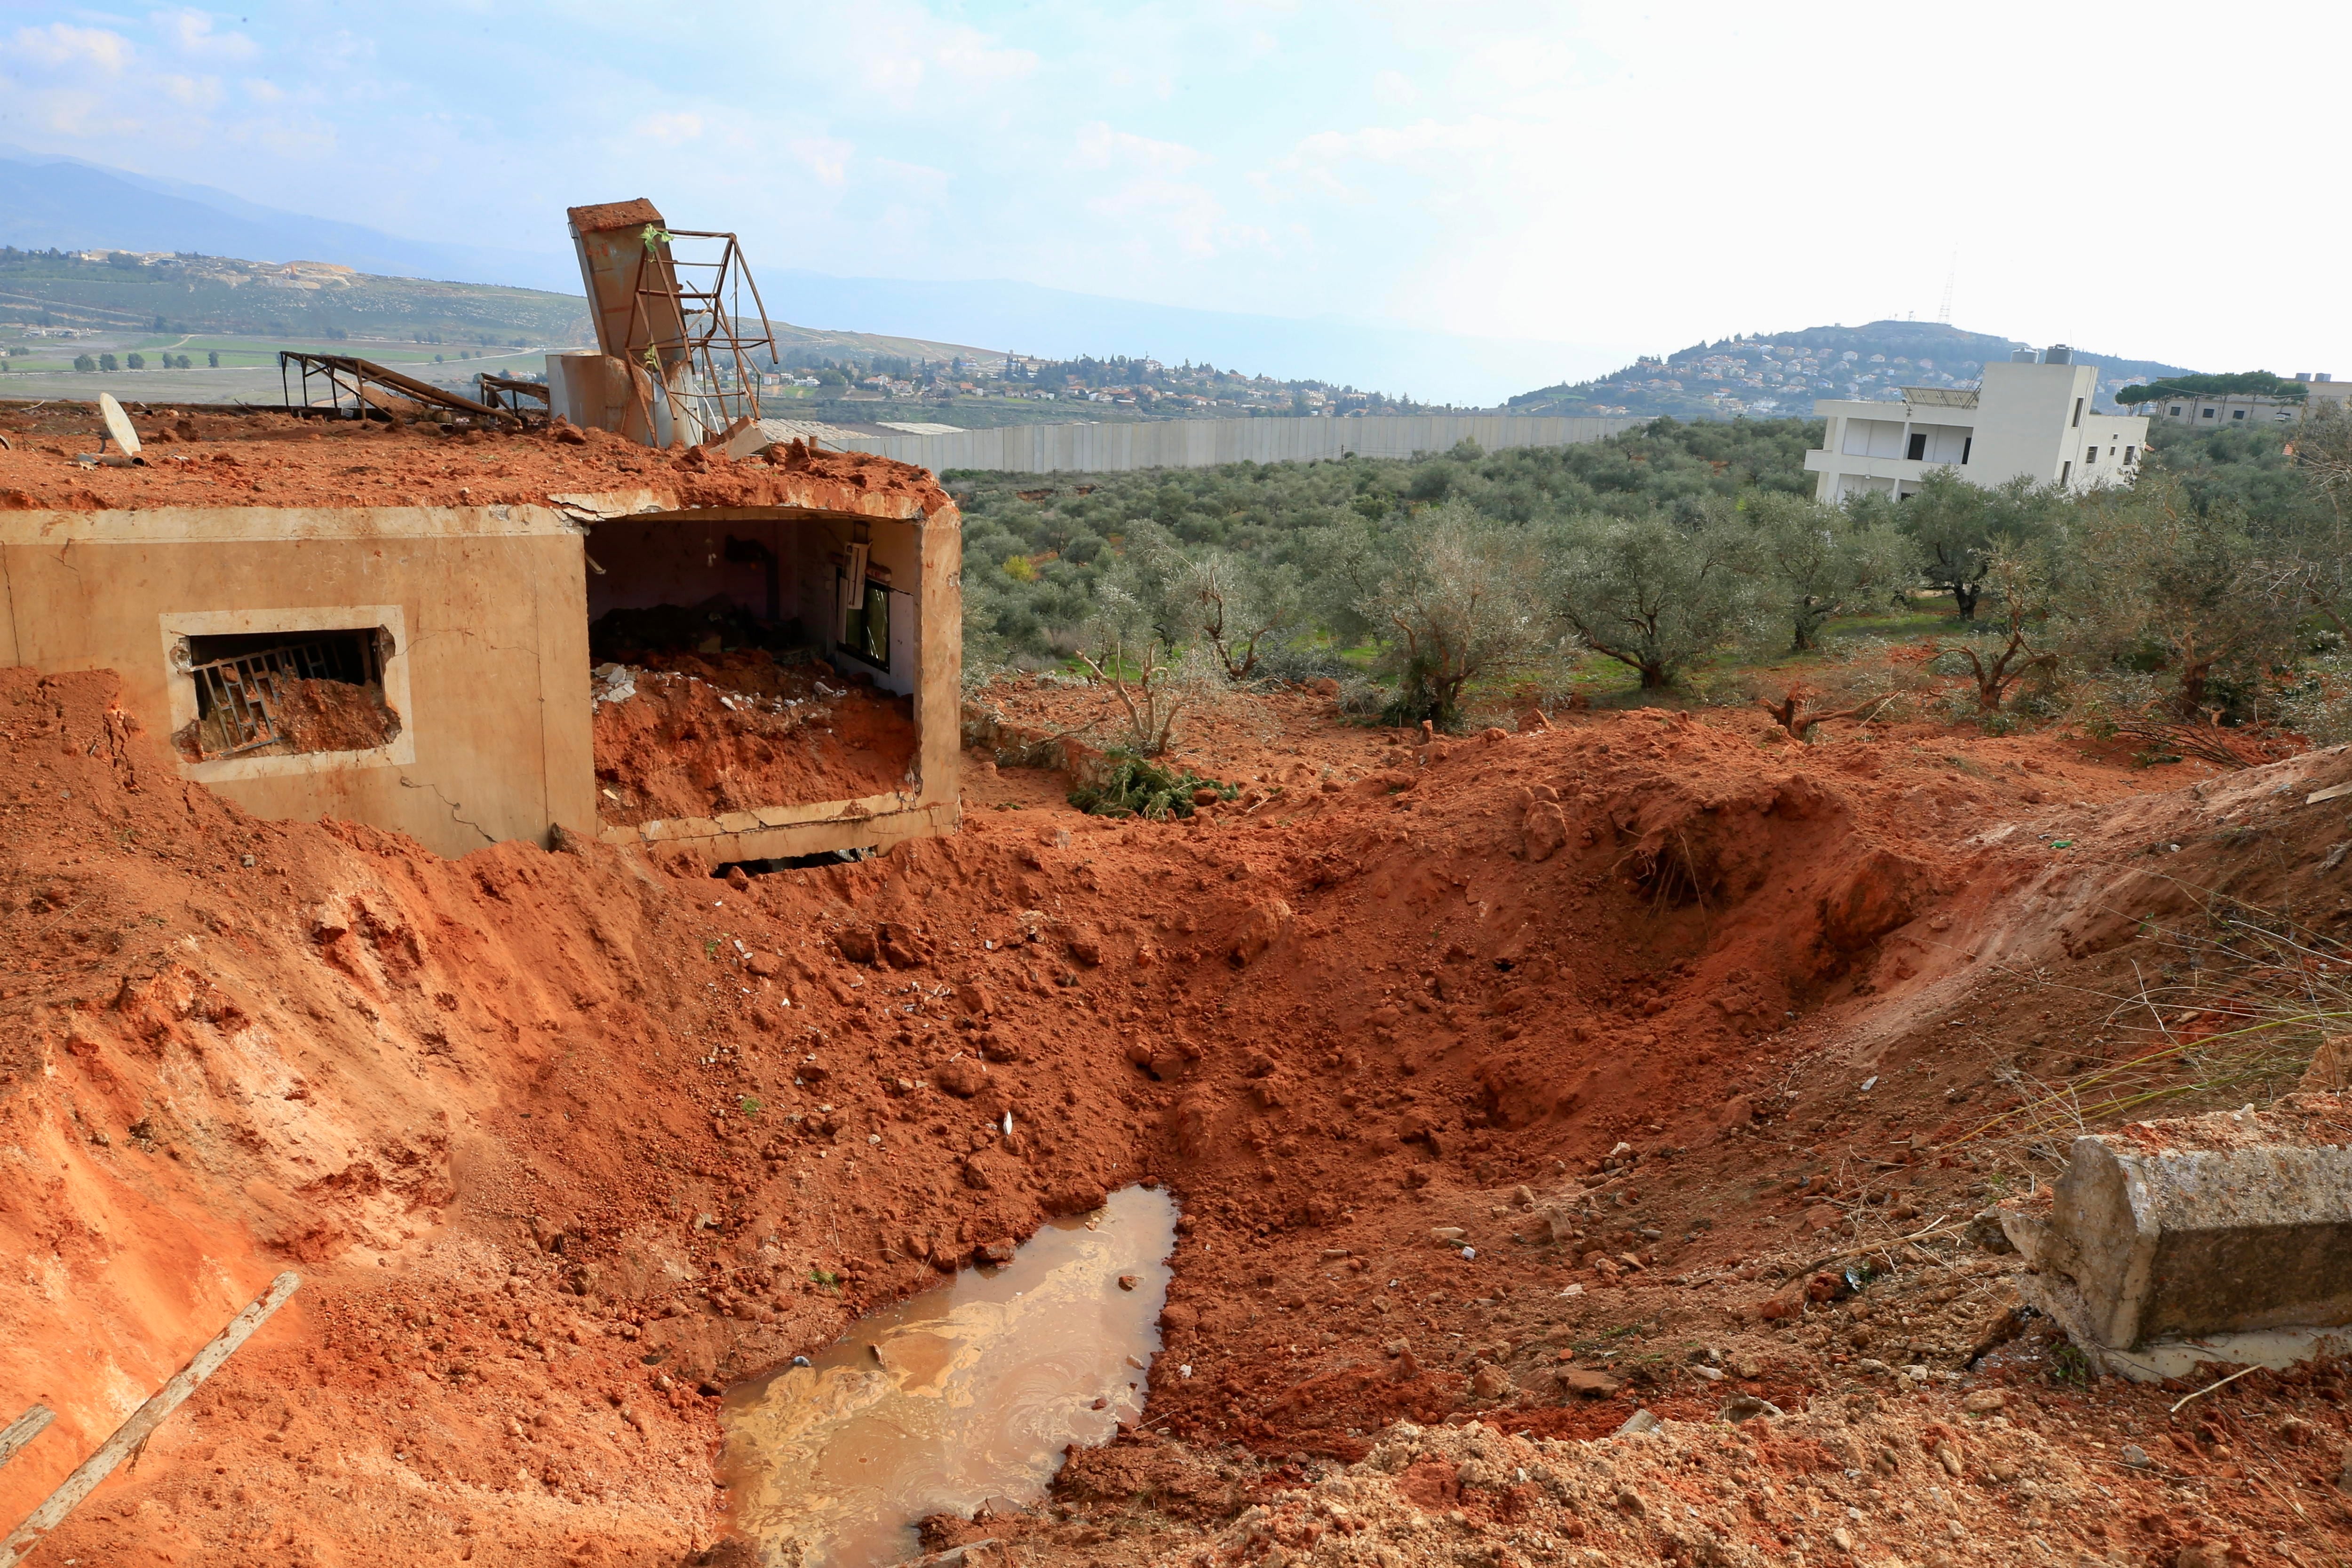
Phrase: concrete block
(2198, 1229)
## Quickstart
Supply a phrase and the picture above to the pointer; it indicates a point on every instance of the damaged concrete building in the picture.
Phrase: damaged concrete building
(639, 622)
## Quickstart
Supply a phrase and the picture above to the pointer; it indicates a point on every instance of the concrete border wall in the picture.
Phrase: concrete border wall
(1204, 443)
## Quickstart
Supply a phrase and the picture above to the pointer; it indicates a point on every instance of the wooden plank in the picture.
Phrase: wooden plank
(143, 1422)
(24, 1429)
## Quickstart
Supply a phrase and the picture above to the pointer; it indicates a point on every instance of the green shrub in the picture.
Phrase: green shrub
(1135, 786)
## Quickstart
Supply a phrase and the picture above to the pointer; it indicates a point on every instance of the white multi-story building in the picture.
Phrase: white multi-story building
(2033, 417)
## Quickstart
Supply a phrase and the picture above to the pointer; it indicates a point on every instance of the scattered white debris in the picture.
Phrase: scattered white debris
(615, 683)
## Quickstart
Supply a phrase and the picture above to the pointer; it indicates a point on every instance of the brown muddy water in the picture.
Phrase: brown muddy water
(957, 1396)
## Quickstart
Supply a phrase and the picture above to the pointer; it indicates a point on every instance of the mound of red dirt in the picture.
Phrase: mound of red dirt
(695, 737)
(309, 716)
(279, 460)
(1510, 1080)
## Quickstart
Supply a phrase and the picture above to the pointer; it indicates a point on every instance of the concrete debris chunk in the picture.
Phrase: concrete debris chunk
(2233, 1230)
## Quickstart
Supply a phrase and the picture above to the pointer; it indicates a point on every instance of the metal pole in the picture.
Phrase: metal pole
(142, 1422)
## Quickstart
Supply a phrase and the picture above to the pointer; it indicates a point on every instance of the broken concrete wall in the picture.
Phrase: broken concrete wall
(484, 608)
(598, 392)
(924, 556)
(632, 286)
(686, 560)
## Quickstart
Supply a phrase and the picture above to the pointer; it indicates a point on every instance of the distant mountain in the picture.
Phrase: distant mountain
(1778, 374)
(65, 203)
(1057, 324)
(311, 303)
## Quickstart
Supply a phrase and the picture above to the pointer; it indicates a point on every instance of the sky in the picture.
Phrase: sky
(2152, 181)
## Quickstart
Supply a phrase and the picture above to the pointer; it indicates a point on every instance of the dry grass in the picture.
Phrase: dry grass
(2227, 1011)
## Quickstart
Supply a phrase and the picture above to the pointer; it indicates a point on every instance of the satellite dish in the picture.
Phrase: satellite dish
(118, 425)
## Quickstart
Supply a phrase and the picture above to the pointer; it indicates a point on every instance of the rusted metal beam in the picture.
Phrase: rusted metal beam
(363, 372)
(143, 1422)
(506, 394)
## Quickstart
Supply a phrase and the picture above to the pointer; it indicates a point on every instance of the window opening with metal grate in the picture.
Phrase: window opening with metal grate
(246, 684)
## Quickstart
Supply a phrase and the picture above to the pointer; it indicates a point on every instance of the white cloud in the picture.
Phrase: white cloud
(78, 115)
(896, 77)
(826, 157)
(262, 91)
(1188, 214)
(671, 130)
(61, 45)
(1098, 146)
(966, 55)
(1344, 166)
(915, 61)
(917, 181)
(190, 32)
(299, 139)
(192, 92)
(1404, 144)
(1393, 88)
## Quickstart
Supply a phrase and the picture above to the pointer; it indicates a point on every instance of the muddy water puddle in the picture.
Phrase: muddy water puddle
(955, 1396)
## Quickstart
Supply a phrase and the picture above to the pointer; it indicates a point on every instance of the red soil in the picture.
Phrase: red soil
(314, 716)
(700, 737)
(558, 1137)
(281, 460)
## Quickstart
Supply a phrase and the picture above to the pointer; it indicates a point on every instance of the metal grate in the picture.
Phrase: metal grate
(236, 698)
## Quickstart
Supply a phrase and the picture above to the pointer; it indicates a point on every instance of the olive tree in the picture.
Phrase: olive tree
(1459, 602)
(1656, 595)
(1343, 563)
(2014, 640)
(2321, 547)
(1154, 679)
(1821, 562)
(2158, 584)
(1959, 528)
(1241, 608)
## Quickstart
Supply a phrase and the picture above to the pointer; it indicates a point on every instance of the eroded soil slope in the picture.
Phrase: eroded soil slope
(1520, 1081)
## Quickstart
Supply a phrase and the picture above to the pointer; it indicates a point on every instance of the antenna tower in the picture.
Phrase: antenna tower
(688, 311)
(1951, 275)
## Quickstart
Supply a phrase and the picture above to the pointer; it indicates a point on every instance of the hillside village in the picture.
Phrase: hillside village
(1142, 384)
(1780, 376)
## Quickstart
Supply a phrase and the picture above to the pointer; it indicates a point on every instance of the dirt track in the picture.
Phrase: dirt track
(558, 1139)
